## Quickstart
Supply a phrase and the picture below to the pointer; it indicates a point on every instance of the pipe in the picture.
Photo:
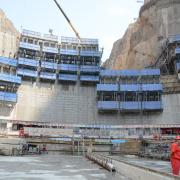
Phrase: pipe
(102, 162)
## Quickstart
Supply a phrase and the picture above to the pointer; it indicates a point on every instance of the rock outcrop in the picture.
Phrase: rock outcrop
(144, 39)
(9, 37)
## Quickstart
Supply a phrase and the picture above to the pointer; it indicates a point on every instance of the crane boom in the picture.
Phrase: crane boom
(68, 20)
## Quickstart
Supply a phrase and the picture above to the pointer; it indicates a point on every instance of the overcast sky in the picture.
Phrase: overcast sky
(106, 20)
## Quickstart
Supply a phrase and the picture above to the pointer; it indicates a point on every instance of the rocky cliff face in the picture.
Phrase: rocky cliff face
(144, 39)
(8, 36)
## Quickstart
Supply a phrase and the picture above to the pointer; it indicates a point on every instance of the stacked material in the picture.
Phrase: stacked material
(156, 150)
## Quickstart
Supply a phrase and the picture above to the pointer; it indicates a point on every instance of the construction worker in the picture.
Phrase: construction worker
(175, 156)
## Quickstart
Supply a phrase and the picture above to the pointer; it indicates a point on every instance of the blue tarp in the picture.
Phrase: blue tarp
(118, 141)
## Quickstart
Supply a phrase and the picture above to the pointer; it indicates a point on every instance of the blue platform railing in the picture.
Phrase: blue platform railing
(130, 106)
(50, 76)
(8, 61)
(129, 87)
(68, 67)
(150, 72)
(10, 78)
(27, 72)
(174, 38)
(90, 53)
(72, 40)
(178, 66)
(130, 73)
(90, 69)
(8, 97)
(68, 77)
(152, 87)
(29, 46)
(50, 49)
(48, 65)
(89, 78)
(108, 105)
(28, 62)
(177, 51)
(152, 105)
(108, 87)
(109, 73)
(69, 52)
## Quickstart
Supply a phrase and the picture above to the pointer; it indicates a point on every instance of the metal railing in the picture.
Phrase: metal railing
(28, 62)
(130, 105)
(129, 87)
(177, 51)
(8, 97)
(68, 67)
(69, 52)
(108, 87)
(50, 76)
(10, 78)
(87, 68)
(38, 35)
(90, 53)
(50, 37)
(27, 72)
(131, 73)
(29, 46)
(178, 66)
(89, 78)
(8, 61)
(68, 77)
(152, 87)
(108, 105)
(29, 33)
(152, 105)
(75, 40)
(48, 65)
(53, 50)
(174, 38)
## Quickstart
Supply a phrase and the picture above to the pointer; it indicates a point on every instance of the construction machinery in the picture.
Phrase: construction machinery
(68, 20)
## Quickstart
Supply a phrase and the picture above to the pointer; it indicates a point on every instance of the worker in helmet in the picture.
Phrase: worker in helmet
(175, 156)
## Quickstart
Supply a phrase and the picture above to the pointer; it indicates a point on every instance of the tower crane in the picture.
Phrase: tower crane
(68, 20)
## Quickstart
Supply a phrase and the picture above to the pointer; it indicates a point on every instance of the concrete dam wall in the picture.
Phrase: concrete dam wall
(76, 104)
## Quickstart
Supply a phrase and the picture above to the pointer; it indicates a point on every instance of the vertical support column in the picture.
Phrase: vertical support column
(9, 127)
(1, 69)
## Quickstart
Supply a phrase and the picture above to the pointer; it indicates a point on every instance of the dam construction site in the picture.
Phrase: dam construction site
(67, 114)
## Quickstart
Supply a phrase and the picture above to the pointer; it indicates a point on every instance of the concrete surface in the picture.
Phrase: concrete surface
(162, 166)
(76, 104)
(48, 167)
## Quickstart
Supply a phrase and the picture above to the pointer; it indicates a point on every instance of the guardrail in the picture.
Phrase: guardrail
(8, 61)
(48, 65)
(29, 46)
(108, 87)
(50, 76)
(27, 72)
(89, 78)
(10, 78)
(8, 97)
(130, 73)
(28, 62)
(68, 77)
(108, 105)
